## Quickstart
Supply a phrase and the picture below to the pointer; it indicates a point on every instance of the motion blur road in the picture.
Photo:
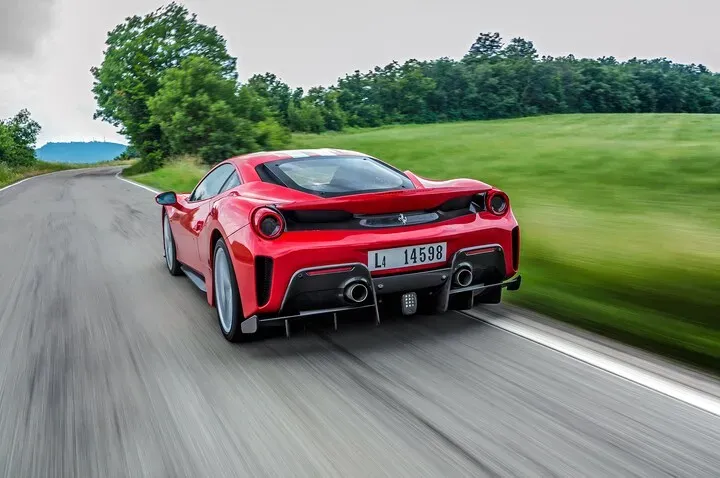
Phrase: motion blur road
(111, 367)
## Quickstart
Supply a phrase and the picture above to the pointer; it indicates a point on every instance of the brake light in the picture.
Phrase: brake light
(334, 270)
(268, 223)
(497, 202)
(484, 250)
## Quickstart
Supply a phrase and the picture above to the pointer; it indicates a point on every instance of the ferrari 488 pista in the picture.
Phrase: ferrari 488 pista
(273, 237)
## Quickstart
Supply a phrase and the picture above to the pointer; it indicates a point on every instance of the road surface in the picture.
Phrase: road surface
(110, 367)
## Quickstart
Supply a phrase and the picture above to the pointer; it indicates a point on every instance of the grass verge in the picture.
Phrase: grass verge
(9, 175)
(619, 214)
(178, 174)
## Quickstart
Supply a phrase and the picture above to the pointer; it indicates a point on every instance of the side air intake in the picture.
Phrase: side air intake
(516, 247)
(263, 279)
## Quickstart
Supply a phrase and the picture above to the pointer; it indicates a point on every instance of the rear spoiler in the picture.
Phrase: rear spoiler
(389, 202)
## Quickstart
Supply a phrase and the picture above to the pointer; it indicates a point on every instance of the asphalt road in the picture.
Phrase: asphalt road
(111, 367)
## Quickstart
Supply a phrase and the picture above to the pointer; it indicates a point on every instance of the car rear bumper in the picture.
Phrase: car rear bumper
(323, 290)
(270, 265)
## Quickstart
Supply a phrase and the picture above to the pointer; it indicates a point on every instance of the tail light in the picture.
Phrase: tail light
(268, 223)
(497, 202)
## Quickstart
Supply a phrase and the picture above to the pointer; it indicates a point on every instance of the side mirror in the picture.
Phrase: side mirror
(166, 199)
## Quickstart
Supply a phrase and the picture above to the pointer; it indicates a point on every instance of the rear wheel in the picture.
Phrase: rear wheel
(227, 297)
(169, 245)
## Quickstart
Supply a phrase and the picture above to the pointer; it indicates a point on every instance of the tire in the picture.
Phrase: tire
(169, 248)
(227, 297)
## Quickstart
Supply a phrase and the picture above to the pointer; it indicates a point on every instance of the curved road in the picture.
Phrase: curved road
(111, 367)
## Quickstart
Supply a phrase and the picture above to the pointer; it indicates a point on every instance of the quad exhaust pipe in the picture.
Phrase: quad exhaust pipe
(356, 292)
(463, 277)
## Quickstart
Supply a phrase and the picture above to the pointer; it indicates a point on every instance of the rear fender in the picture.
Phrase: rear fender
(232, 212)
(227, 217)
(240, 246)
(237, 266)
(209, 277)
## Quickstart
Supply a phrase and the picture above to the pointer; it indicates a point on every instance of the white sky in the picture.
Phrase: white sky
(48, 46)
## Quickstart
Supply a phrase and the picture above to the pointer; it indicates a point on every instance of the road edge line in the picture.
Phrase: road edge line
(616, 367)
(4, 188)
(147, 188)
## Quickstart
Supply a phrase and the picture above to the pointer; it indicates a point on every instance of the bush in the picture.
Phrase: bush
(17, 139)
(148, 163)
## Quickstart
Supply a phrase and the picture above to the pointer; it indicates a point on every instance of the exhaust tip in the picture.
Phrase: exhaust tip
(463, 277)
(357, 292)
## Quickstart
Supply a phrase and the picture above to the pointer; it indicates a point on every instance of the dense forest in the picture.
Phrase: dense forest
(169, 83)
(494, 81)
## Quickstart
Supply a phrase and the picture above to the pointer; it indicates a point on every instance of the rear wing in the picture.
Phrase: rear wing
(390, 202)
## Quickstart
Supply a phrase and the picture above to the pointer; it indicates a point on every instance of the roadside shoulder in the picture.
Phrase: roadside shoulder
(601, 350)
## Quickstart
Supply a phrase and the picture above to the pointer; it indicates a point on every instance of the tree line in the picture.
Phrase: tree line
(494, 81)
(17, 140)
(169, 83)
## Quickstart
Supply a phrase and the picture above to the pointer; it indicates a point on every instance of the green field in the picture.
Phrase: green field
(619, 214)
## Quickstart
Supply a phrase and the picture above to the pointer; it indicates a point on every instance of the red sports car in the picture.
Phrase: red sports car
(277, 236)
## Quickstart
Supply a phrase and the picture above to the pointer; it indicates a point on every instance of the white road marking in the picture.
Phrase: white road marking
(40, 176)
(616, 367)
(147, 188)
(20, 182)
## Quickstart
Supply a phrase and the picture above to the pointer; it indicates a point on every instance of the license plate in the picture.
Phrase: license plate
(401, 257)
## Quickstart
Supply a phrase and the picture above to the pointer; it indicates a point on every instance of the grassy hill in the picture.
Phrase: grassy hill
(80, 152)
(619, 214)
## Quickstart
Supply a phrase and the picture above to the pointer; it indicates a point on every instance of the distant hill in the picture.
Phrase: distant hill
(80, 152)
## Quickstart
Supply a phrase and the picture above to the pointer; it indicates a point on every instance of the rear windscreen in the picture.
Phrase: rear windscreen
(336, 175)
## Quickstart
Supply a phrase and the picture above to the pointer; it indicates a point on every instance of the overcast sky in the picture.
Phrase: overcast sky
(48, 46)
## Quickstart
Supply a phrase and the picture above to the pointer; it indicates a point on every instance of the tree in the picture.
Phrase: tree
(18, 136)
(139, 52)
(129, 153)
(486, 45)
(276, 94)
(227, 134)
(187, 98)
(201, 111)
(519, 48)
(305, 116)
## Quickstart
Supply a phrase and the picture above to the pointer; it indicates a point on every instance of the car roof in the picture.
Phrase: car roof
(261, 157)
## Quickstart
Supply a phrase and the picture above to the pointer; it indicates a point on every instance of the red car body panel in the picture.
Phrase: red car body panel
(196, 226)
